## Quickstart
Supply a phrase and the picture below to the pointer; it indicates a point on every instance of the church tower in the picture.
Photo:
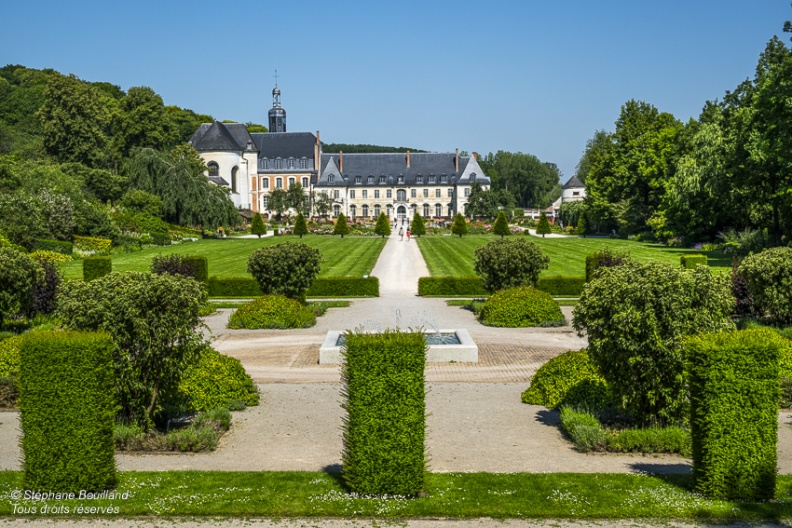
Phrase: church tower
(277, 115)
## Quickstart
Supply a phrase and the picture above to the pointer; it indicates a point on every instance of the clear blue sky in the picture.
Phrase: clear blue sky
(523, 75)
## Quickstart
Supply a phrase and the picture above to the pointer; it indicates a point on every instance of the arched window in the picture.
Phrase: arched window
(365, 210)
(264, 202)
(425, 210)
(336, 210)
(401, 195)
(352, 211)
(438, 210)
(377, 210)
(234, 179)
(214, 168)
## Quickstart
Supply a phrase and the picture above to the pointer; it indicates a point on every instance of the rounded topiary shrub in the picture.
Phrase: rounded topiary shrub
(505, 263)
(568, 379)
(215, 381)
(520, 307)
(768, 276)
(272, 311)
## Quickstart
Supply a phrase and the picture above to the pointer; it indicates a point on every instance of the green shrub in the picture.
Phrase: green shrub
(66, 411)
(9, 392)
(257, 225)
(233, 287)
(215, 381)
(344, 287)
(603, 259)
(557, 285)
(768, 276)
(417, 226)
(501, 225)
(519, 307)
(19, 277)
(583, 428)
(691, 261)
(203, 434)
(161, 239)
(194, 266)
(568, 379)
(636, 317)
(91, 245)
(341, 226)
(383, 226)
(734, 393)
(504, 264)
(385, 427)
(43, 255)
(450, 286)
(96, 267)
(9, 356)
(459, 227)
(286, 269)
(56, 246)
(272, 311)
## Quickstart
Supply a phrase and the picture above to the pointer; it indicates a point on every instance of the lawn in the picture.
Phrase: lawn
(448, 495)
(453, 256)
(353, 256)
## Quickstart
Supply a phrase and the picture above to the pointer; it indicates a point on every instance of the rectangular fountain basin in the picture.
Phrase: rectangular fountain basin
(466, 351)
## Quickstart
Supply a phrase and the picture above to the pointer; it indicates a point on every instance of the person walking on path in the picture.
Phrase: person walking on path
(401, 233)
(408, 234)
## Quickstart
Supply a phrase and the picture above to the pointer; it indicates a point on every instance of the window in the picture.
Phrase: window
(365, 195)
(389, 210)
(331, 178)
(336, 210)
(401, 195)
(389, 194)
(437, 193)
(357, 180)
(352, 194)
(438, 210)
(432, 180)
(279, 183)
(382, 179)
(265, 183)
(305, 183)
(304, 163)
(472, 176)
(443, 179)
(376, 193)
(450, 192)
(291, 182)
(413, 193)
(214, 168)
(365, 210)
(370, 179)
(335, 194)
(426, 210)
(291, 163)
(426, 193)
(377, 210)
(264, 203)
(401, 180)
(467, 191)
(419, 179)
(575, 193)
(353, 211)
(278, 164)
(265, 163)
(234, 179)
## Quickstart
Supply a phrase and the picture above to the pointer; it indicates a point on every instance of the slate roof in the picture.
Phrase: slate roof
(573, 183)
(285, 144)
(219, 136)
(393, 165)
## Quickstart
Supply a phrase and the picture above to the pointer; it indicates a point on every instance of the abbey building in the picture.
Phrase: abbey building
(252, 165)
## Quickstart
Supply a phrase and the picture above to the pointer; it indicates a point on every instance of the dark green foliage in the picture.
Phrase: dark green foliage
(300, 225)
(203, 434)
(194, 266)
(459, 227)
(160, 239)
(19, 276)
(768, 276)
(153, 320)
(636, 317)
(385, 425)
(341, 226)
(95, 267)
(383, 226)
(519, 307)
(44, 294)
(603, 259)
(272, 311)
(417, 226)
(505, 264)
(745, 304)
(233, 287)
(543, 227)
(450, 286)
(215, 381)
(501, 225)
(344, 287)
(257, 225)
(66, 411)
(734, 413)
(559, 286)
(691, 261)
(568, 379)
(285, 269)
(58, 246)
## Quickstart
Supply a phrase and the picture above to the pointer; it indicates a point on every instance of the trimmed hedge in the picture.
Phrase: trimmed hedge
(691, 261)
(95, 267)
(215, 381)
(200, 266)
(568, 379)
(473, 286)
(272, 311)
(67, 411)
(734, 394)
(9, 356)
(58, 246)
(160, 239)
(602, 259)
(521, 307)
(322, 287)
(98, 245)
(194, 266)
(385, 427)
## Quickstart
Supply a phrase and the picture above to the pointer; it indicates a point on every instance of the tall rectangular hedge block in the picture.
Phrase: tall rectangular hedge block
(734, 393)
(322, 287)
(67, 407)
(200, 267)
(691, 261)
(385, 427)
(95, 267)
(473, 286)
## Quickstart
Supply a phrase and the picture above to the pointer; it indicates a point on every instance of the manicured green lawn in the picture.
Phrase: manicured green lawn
(354, 256)
(448, 495)
(453, 256)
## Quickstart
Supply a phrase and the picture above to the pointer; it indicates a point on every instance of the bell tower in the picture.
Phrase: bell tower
(277, 115)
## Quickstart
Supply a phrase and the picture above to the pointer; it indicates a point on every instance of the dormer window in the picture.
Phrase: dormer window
(382, 180)
(304, 163)
(401, 179)
(265, 163)
(278, 164)
(291, 163)
(443, 179)
(330, 179)
(472, 176)
(370, 179)
(432, 179)
(357, 180)
(419, 179)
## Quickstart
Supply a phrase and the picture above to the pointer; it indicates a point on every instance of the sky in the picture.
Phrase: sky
(530, 76)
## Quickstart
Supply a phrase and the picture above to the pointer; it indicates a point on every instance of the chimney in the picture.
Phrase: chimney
(408, 159)
(475, 156)
(318, 142)
(456, 161)
(341, 162)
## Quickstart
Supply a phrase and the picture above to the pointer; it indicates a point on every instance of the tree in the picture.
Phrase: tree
(570, 213)
(73, 120)
(504, 264)
(142, 122)
(341, 227)
(300, 226)
(296, 198)
(257, 225)
(287, 269)
(768, 277)
(487, 203)
(501, 226)
(19, 277)
(322, 203)
(153, 320)
(637, 317)
(136, 201)
(543, 227)
(383, 226)
(528, 180)
(278, 201)
(459, 227)
(417, 227)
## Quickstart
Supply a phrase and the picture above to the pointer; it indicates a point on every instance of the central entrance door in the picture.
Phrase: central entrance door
(401, 212)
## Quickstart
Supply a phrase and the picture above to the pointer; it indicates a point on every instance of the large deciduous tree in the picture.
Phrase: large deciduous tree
(531, 182)
(142, 121)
